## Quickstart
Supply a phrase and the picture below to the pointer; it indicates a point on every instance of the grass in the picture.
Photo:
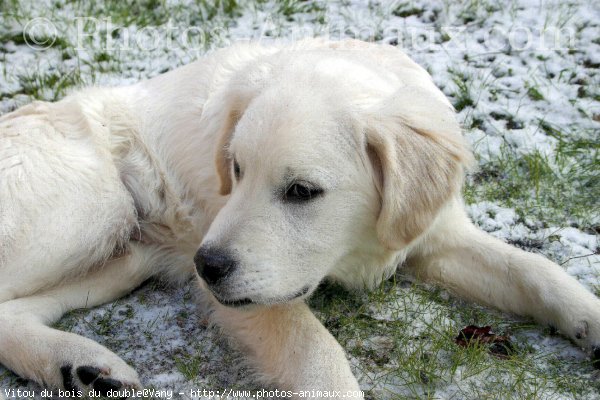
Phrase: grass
(405, 10)
(529, 183)
(400, 336)
(463, 97)
(290, 8)
(139, 12)
(189, 365)
(49, 86)
(403, 336)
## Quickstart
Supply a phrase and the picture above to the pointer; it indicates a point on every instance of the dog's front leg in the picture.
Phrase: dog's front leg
(289, 346)
(477, 266)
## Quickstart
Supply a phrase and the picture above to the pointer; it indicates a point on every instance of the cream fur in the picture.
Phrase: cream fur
(111, 186)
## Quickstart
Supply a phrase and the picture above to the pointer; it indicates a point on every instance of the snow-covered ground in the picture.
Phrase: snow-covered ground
(524, 75)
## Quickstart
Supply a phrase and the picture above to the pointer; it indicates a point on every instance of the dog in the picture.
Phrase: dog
(256, 172)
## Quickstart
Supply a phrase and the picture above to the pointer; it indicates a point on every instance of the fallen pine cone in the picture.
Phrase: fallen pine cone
(498, 345)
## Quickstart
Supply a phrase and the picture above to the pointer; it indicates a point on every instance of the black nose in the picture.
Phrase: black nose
(214, 264)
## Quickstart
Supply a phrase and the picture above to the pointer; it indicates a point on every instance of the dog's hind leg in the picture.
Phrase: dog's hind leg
(479, 267)
(63, 206)
(64, 360)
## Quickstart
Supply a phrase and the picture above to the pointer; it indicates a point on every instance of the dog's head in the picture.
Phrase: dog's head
(332, 167)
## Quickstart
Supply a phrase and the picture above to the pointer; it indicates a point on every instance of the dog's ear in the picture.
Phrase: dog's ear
(220, 116)
(230, 116)
(420, 154)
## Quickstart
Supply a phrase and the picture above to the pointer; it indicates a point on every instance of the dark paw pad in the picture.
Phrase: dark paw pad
(67, 376)
(596, 357)
(87, 374)
(104, 385)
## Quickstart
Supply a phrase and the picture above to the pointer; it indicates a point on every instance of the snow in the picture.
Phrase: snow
(529, 140)
(159, 331)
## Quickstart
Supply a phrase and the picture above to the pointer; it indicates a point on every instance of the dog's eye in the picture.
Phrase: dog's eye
(236, 169)
(302, 192)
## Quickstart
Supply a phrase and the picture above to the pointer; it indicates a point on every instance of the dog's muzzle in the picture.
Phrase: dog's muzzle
(214, 264)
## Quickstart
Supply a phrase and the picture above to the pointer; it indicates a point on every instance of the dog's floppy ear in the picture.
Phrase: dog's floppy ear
(421, 154)
(220, 117)
(231, 114)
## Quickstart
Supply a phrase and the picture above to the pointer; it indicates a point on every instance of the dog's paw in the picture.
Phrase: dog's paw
(587, 335)
(102, 379)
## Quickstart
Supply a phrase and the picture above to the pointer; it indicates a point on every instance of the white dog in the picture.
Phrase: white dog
(272, 168)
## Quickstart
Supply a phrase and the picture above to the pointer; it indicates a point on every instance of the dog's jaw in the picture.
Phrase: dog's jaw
(246, 301)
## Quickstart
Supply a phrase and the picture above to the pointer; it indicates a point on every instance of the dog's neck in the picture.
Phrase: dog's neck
(169, 137)
(154, 151)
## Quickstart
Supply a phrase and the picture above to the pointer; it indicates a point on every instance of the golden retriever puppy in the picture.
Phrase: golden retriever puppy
(263, 170)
